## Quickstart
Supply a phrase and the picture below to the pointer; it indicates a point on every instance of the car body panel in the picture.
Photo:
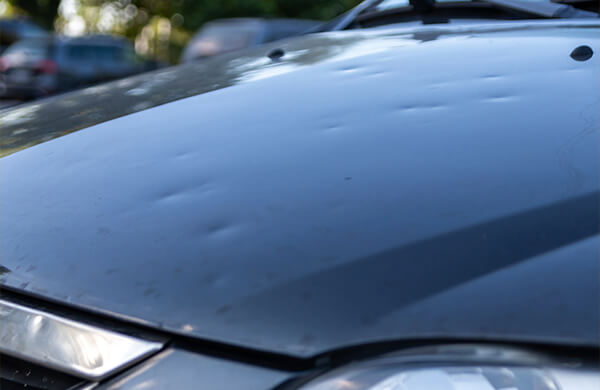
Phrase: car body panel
(195, 371)
(370, 186)
(115, 99)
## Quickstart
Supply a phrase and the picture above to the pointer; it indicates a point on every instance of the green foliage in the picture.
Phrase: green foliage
(42, 12)
(197, 12)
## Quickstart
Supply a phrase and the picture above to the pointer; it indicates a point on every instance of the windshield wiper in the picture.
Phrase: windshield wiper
(346, 19)
(543, 9)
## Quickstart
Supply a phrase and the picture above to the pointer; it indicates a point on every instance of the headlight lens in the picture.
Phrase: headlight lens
(497, 370)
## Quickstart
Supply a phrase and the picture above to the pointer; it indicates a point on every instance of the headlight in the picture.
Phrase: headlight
(460, 368)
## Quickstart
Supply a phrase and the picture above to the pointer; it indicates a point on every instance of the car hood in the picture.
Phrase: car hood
(393, 184)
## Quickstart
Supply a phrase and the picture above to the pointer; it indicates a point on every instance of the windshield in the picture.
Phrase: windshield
(390, 4)
(372, 13)
(539, 8)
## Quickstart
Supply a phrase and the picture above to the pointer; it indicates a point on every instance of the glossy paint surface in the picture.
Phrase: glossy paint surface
(394, 184)
(177, 369)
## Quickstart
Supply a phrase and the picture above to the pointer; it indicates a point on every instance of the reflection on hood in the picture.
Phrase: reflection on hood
(33, 123)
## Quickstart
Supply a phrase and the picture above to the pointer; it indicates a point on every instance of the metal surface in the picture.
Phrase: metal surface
(67, 346)
(392, 184)
(45, 119)
(177, 369)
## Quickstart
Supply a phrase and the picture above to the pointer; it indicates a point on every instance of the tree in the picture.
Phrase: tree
(197, 12)
(43, 12)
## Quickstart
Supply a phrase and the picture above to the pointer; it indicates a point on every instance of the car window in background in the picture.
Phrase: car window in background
(81, 52)
(222, 37)
(28, 50)
(129, 55)
(107, 53)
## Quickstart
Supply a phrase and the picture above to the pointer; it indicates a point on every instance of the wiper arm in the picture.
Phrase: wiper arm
(346, 19)
(545, 9)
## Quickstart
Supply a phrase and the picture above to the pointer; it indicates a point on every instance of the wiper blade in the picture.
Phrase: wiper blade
(346, 19)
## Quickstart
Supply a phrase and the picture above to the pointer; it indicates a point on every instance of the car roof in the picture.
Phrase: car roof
(94, 40)
(18, 21)
(12, 29)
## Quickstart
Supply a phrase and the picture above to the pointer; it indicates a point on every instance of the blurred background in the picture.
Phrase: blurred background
(52, 46)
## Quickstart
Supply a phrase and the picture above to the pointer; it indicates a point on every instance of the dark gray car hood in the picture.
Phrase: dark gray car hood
(379, 185)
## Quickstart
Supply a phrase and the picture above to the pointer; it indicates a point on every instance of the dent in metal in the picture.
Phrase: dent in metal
(67, 346)
(366, 183)
(30, 124)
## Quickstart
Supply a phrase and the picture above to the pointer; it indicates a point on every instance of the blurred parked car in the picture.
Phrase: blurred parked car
(226, 35)
(16, 29)
(37, 67)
